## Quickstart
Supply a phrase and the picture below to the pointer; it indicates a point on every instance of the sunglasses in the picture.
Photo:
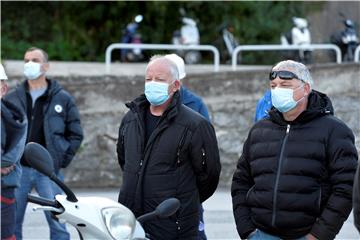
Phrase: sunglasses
(284, 75)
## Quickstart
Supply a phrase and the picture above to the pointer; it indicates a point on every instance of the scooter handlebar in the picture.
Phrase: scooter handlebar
(43, 201)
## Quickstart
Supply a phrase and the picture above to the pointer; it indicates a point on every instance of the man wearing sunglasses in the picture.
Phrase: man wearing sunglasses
(295, 175)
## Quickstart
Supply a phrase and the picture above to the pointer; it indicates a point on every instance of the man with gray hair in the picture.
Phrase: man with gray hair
(295, 175)
(166, 150)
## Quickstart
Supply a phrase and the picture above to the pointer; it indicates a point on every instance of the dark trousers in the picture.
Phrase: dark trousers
(8, 209)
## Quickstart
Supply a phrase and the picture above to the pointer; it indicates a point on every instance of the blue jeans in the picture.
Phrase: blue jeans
(30, 179)
(260, 235)
(8, 213)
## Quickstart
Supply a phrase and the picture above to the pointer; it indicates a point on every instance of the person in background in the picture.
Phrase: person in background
(294, 179)
(165, 150)
(54, 122)
(194, 102)
(13, 136)
(263, 106)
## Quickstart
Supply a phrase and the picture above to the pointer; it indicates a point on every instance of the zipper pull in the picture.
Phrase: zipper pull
(141, 162)
(288, 129)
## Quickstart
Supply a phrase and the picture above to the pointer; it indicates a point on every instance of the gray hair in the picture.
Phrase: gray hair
(173, 67)
(45, 55)
(298, 68)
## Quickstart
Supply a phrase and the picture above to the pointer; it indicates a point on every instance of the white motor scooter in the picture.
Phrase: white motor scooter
(299, 36)
(188, 35)
(93, 217)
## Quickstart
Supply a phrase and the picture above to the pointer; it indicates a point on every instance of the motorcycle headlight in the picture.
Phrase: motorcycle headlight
(120, 222)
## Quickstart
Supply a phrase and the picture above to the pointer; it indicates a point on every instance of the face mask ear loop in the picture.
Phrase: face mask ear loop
(303, 97)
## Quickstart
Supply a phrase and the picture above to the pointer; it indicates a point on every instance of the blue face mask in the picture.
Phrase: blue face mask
(282, 98)
(156, 92)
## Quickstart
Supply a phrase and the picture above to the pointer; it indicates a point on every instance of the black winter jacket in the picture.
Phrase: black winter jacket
(62, 128)
(356, 199)
(180, 159)
(295, 178)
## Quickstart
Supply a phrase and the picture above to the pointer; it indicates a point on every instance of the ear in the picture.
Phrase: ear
(177, 86)
(46, 66)
(3, 88)
(307, 89)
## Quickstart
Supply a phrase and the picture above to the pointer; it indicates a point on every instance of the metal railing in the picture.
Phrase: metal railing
(113, 46)
(283, 47)
(357, 54)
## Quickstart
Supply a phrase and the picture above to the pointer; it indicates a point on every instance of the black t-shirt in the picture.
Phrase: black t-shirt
(151, 122)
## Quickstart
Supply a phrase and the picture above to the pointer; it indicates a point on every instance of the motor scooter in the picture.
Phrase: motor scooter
(299, 35)
(227, 42)
(93, 217)
(187, 35)
(131, 35)
(347, 39)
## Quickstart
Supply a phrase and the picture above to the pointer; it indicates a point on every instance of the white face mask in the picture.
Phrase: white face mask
(32, 70)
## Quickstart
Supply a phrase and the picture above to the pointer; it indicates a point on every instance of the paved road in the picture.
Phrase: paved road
(218, 218)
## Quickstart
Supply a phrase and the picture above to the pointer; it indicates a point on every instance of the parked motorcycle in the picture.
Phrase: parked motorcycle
(131, 35)
(347, 39)
(299, 35)
(226, 42)
(187, 35)
(93, 217)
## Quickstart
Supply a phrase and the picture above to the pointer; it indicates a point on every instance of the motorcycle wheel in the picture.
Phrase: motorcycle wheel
(192, 57)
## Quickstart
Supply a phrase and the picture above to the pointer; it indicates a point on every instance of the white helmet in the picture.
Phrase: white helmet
(2, 73)
(179, 63)
(300, 22)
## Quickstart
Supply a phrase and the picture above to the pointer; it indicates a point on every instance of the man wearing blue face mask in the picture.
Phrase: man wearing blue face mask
(295, 175)
(166, 150)
(53, 122)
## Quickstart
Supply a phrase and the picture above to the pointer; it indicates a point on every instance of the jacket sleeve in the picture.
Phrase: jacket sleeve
(120, 146)
(342, 157)
(73, 133)
(356, 199)
(241, 184)
(205, 159)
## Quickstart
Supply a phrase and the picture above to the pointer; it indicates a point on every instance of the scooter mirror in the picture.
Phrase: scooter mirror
(39, 158)
(167, 207)
(164, 209)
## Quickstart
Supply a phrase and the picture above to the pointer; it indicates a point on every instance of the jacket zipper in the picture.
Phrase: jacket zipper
(203, 157)
(278, 175)
(181, 143)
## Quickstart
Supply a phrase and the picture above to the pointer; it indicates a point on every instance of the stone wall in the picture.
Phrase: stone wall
(231, 98)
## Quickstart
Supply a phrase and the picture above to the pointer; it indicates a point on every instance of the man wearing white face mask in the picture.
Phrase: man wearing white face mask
(53, 122)
(295, 175)
(166, 150)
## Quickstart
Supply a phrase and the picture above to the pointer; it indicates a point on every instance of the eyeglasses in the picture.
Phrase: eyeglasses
(284, 75)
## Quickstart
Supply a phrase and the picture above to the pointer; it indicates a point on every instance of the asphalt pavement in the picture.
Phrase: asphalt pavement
(219, 221)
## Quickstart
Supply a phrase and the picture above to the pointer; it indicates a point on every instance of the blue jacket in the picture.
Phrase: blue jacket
(13, 136)
(62, 129)
(194, 102)
(263, 106)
